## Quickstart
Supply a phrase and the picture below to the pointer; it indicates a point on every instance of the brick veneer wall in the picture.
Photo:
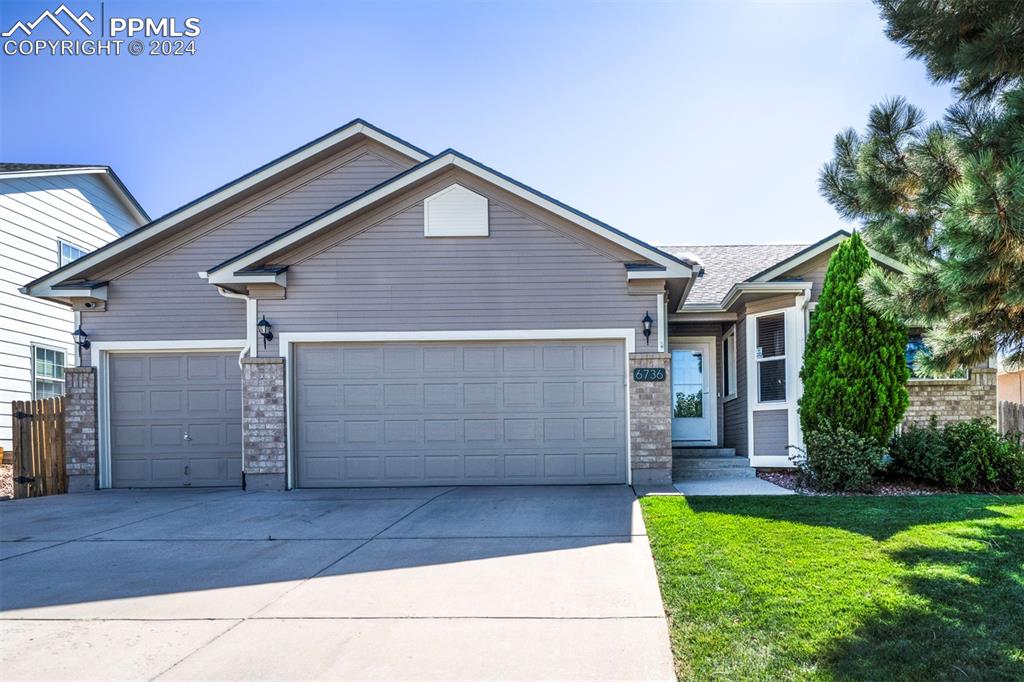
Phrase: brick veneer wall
(650, 422)
(80, 444)
(264, 415)
(952, 400)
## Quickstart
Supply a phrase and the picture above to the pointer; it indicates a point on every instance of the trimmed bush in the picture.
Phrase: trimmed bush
(837, 459)
(967, 455)
(919, 453)
(854, 365)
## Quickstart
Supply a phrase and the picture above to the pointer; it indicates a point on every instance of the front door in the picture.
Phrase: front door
(692, 400)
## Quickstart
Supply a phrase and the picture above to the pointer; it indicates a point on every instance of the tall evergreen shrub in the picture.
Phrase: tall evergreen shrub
(854, 371)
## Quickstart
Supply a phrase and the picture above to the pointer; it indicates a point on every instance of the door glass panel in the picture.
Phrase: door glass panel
(687, 384)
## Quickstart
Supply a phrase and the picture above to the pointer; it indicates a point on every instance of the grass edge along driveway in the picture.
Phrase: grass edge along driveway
(846, 588)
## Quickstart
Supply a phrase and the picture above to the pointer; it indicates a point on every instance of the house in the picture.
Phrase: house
(359, 312)
(737, 345)
(50, 215)
(1011, 383)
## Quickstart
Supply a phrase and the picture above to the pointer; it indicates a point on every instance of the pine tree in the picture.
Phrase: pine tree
(947, 199)
(854, 370)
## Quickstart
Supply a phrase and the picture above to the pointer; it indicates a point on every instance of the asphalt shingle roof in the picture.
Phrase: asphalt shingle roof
(728, 264)
(16, 167)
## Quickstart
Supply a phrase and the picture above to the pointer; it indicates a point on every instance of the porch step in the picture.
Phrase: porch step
(711, 467)
(701, 453)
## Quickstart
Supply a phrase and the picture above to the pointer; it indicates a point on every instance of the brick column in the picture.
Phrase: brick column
(80, 445)
(264, 423)
(952, 400)
(650, 422)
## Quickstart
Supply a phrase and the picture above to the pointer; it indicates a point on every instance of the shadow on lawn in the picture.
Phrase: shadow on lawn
(965, 616)
(970, 626)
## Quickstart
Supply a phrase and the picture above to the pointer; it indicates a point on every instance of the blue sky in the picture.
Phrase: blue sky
(677, 122)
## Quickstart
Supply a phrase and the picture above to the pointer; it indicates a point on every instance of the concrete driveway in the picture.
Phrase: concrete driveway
(415, 583)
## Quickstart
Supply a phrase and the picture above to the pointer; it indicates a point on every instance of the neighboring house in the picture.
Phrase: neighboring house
(359, 312)
(1011, 383)
(50, 215)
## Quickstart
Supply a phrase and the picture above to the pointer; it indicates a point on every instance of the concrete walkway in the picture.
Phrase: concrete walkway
(418, 583)
(729, 486)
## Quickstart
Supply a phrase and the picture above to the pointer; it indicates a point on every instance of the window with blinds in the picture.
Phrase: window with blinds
(771, 358)
(729, 362)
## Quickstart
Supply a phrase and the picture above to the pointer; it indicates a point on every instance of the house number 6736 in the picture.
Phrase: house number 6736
(649, 374)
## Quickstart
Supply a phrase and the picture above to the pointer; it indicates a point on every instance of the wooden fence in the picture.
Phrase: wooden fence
(38, 458)
(1011, 418)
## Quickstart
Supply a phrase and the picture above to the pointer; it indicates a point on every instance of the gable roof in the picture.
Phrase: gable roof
(14, 171)
(667, 265)
(24, 167)
(816, 249)
(265, 174)
(725, 266)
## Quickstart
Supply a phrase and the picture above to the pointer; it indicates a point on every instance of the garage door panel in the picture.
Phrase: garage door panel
(426, 414)
(205, 367)
(156, 399)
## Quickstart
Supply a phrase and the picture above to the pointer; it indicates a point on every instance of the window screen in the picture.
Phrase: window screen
(726, 365)
(771, 358)
(47, 372)
(68, 253)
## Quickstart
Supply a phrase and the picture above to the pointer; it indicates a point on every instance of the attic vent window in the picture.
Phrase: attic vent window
(455, 212)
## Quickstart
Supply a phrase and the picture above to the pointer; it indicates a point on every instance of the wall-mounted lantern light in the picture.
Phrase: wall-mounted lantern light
(81, 338)
(647, 326)
(263, 327)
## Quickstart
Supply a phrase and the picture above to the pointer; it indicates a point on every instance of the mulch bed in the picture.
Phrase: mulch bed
(790, 481)
(6, 481)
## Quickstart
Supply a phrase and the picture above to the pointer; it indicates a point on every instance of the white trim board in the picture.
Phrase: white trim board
(222, 273)
(219, 196)
(100, 351)
(811, 253)
(662, 323)
(625, 333)
(289, 339)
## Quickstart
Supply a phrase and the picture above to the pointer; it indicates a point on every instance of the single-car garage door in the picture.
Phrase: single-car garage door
(175, 420)
(550, 412)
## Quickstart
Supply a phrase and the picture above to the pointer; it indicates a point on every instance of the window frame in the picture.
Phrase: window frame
(774, 358)
(61, 243)
(35, 377)
(729, 367)
(811, 308)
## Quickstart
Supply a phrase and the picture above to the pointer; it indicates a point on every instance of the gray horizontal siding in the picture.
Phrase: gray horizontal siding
(160, 296)
(812, 271)
(35, 215)
(771, 432)
(525, 275)
(735, 427)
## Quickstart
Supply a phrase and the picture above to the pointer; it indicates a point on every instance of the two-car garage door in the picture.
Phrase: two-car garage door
(538, 412)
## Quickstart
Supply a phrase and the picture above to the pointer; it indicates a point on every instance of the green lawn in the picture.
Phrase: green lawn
(860, 588)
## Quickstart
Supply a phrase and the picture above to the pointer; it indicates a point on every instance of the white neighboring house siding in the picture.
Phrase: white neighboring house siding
(36, 213)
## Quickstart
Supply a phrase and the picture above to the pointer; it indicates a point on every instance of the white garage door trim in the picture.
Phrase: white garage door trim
(100, 354)
(287, 340)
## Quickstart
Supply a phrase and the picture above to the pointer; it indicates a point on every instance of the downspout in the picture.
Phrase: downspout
(248, 349)
(250, 322)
